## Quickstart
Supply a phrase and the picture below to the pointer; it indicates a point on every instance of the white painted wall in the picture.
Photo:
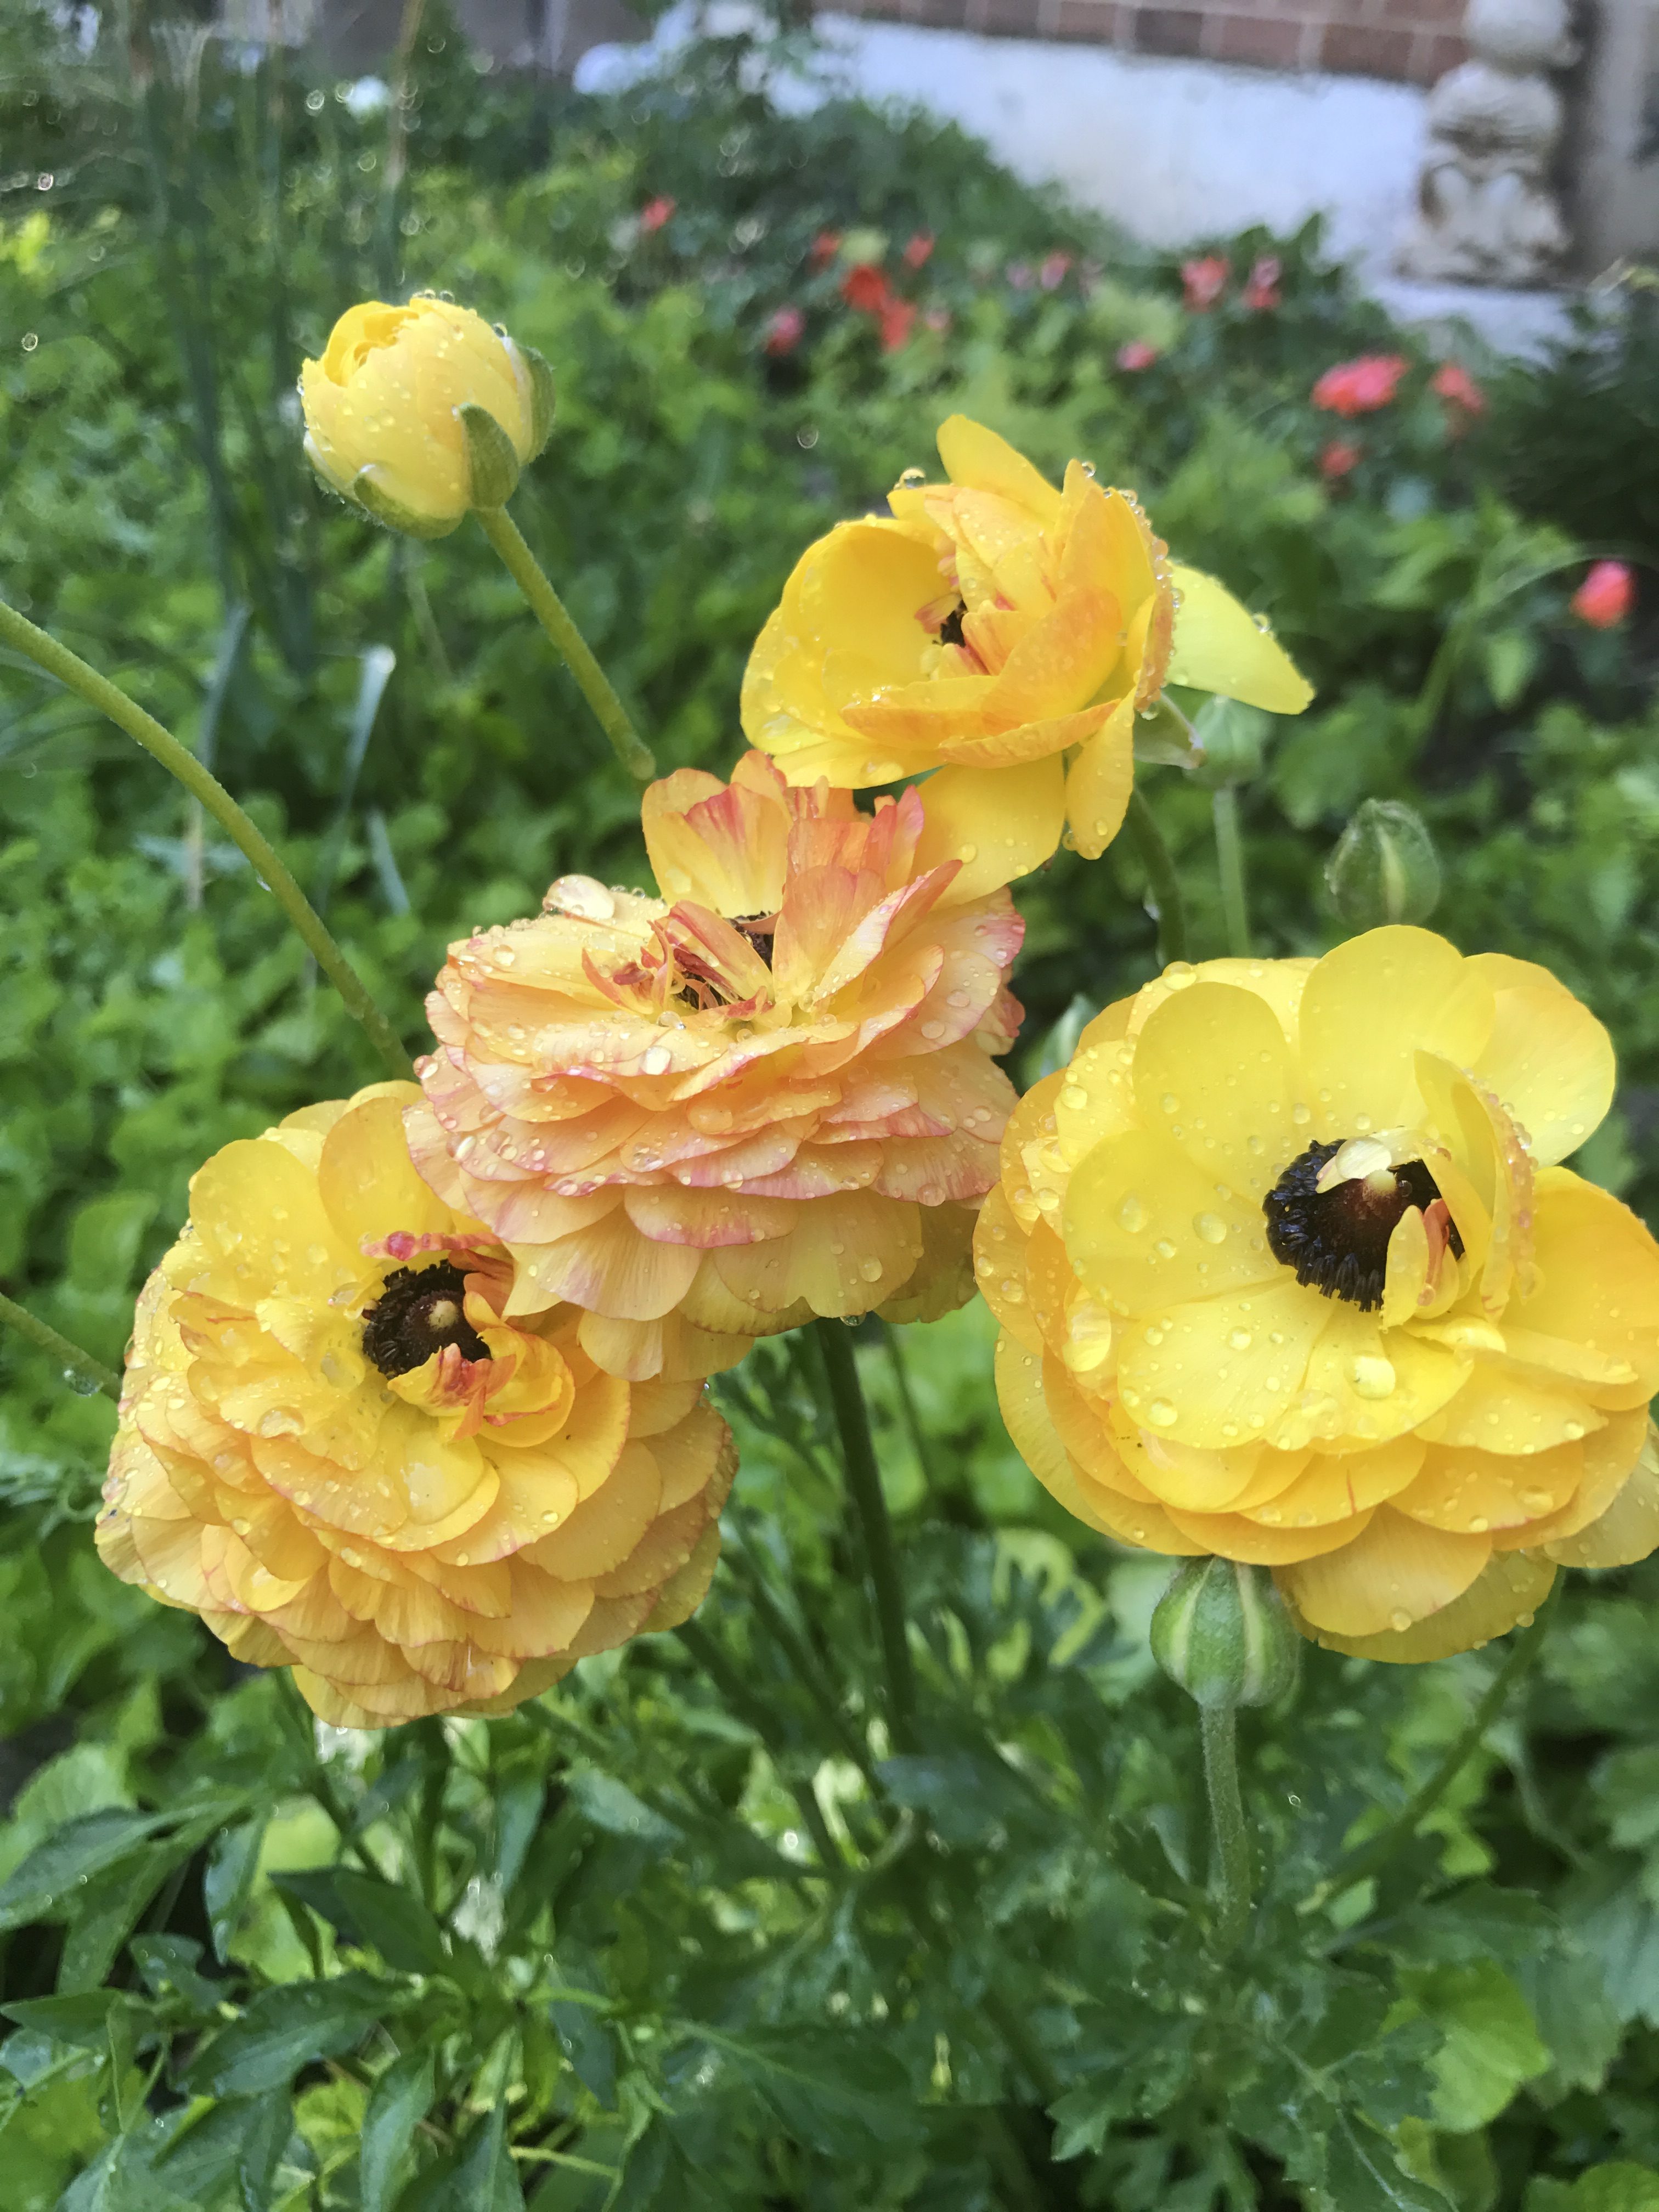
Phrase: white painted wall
(1171, 149)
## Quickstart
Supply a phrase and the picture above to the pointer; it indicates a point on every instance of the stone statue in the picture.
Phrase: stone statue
(1486, 210)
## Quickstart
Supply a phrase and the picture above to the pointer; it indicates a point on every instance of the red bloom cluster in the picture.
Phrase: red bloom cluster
(1606, 596)
(1360, 387)
(1341, 455)
(1462, 395)
(1260, 293)
(1136, 354)
(655, 213)
(865, 289)
(784, 327)
(824, 249)
(1204, 281)
(917, 252)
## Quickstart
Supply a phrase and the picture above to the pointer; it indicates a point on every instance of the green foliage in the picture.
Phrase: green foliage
(684, 1933)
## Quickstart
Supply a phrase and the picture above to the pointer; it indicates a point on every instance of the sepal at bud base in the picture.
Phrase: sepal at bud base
(367, 495)
(1231, 739)
(1221, 1631)
(492, 461)
(537, 381)
(1384, 868)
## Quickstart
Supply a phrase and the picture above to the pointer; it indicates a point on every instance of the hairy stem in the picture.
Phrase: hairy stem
(1163, 884)
(81, 1370)
(1229, 857)
(1229, 1868)
(863, 1483)
(15, 630)
(549, 609)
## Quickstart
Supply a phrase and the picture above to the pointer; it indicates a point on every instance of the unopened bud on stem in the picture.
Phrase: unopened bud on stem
(1384, 868)
(1221, 1630)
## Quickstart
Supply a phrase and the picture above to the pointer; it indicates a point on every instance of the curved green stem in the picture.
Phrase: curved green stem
(81, 1370)
(864, 1482)
(1374, 1853)
(1229, 859)
(1163, 884)
(550, 610)
(1229, 1870)
(16, 630)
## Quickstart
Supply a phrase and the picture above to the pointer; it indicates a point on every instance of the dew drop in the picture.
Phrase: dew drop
(870, 1270)
(1132, 1215)
(1400, 1620)
(1240, 1339)
(1162, 1412)
(1372, 1376)
(1212, 1228)
(658, 1060)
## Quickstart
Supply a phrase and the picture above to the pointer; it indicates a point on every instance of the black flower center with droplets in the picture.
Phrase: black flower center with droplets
(1336, 1241)
(950, 631)
(419, 1310)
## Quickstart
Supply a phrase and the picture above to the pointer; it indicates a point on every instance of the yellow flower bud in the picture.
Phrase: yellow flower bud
(423, 412)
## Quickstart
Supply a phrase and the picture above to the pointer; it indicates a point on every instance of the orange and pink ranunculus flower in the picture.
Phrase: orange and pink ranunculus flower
(769, 1094)
(1362, 386)
(1004, 634)
(1203, 281)
(1452, 382)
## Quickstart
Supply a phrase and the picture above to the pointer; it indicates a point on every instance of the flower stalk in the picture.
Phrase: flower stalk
(81, 1370)
(864, 1483)
(18, 632)
(1230, 859)
(1163, 898)
(1230, 1864)
(549, 609)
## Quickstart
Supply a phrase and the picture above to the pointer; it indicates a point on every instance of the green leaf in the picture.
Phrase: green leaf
(836, 2092)
(399, 2101)
(1362, 2174)
(612, 1806)
(230, 1871)
(1620, 2187)
(396, 1923)
(1492, 2042)
(288, 2028)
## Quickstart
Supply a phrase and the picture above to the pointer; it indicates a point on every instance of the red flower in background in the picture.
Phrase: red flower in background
(655, 213)
(1458, 389)
(784, 327)
(1052, 275)
(824, 249)
(1204, 281)
(1606, 596)
(1337, 459)
(1260, 293)
(1360, 387)
(865, 289)
(896, 317)
(919, 248)
(1136, 354)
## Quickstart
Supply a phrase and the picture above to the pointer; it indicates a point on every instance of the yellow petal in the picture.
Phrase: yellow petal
(1212, 1068)
(1498, 1410)
(1218, 647)
(1627, 1530)
(974, 455)
(1396, 1572)
(999, 823)
(1598, 1269)
(1145, 1228)
(1478, 1492)
(366, 1179)
(1368, 1009)
(1025, 1412)
(1509, 1588)
(1548, 1059)
(1100, 781)
(1222, 1371)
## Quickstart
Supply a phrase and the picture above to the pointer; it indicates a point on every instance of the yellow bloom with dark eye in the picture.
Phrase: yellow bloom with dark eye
(335, 1448)
(1006, 634)
(1289, 1273)
(423, 412)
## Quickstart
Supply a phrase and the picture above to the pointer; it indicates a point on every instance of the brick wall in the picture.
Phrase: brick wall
(1412, 42)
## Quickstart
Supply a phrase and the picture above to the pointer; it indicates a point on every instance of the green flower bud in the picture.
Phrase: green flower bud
(1221, 1630)
(1384, 868)
(1231, 739)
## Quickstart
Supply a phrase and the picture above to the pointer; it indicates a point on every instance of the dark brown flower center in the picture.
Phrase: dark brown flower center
(950, 631)
(419, 1310)
(1336, 1241)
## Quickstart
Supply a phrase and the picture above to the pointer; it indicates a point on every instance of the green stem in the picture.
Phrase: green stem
(69, 669)
(864, 1482)
(1163, 884)
(79, 1367)
(917, 1434)
(1370, 1855)
(549, 609)
(1229, 1870)
(1230, 858)
(750, 1709)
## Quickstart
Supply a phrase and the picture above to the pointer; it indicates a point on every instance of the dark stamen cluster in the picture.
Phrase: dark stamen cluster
(1336, 1241)
(759, 929)
(950, 631)
(419, 1310)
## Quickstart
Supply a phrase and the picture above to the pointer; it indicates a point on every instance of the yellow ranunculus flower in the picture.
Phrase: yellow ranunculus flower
(1287, 1272)
(336, 1449)
(989, 628)
(421, 413)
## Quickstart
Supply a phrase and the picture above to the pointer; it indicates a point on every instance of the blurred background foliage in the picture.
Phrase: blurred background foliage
(685, 1933)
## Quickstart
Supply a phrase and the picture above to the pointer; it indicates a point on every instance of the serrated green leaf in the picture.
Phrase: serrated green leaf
(395, 1922)
(1362, 2174)
(288, 2028)
(612, 1806)
(1490, 2046)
